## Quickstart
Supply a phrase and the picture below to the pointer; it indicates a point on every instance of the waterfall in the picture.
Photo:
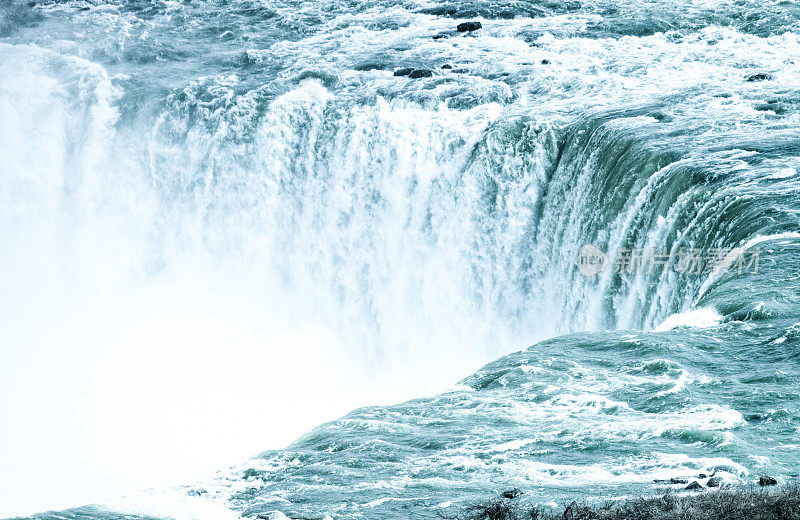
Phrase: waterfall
(269, 241)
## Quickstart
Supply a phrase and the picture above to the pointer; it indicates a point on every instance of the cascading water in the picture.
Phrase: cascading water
(235, 220)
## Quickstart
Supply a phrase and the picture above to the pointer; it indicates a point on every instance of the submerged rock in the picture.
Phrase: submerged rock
(404, 71)
(767, 481)
(511, 493)
(679, 480)
(714, 482)
(420, 73)
(365, 67)
(468, 26)
(447, 66)
(545, 62)
(761, 76)
(251, 473)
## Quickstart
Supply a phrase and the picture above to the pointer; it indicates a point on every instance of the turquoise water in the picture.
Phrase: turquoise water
(435, 224)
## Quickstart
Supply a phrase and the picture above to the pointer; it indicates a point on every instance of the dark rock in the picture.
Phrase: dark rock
(468, 26)
(693, 486)
(31, 4)
(679, 480)
(702, 475)
(404, 71)
(420, 73)
(545, 62)
(440, 36)
(714, 482)
(511, 493)
(767, 481)
(761, 76)
(447, 66)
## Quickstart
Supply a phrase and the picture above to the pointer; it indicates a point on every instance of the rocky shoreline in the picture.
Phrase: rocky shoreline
(750, 502)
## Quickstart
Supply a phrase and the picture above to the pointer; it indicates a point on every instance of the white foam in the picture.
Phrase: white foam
(701, 318)
(513, 445)
(643, 469)
(172, 504)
